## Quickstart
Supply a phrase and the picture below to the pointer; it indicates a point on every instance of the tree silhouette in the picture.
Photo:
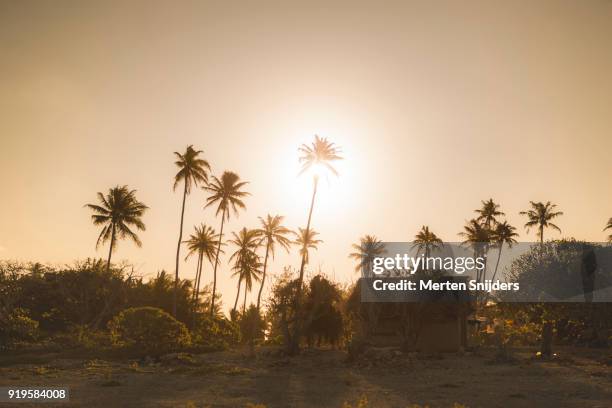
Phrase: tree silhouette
(117, 211)
(369, 247)
(425, 240)
(609, 226)
(226, 193)
(192, 170)
(247, 241)
(317, 156)
(504, 233)
(248, 270)
(306, 241)
(478, 237)
(540, 216)
(488, 213)
(273, 232)
(203, 244)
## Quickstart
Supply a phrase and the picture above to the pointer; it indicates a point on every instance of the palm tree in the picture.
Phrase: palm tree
(369, 247)
(317, 156)
(488, 213)
(273, 232)
(609, 226)
(426, 240)
(118, 210)
(504, 233)
(306, 241)
(192, 170)
(203, 244)
(477, 236)
(248, 270)
(540, 215)
(227, 194)
(247, 241)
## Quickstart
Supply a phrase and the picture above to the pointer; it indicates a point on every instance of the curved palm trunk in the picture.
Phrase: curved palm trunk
(498, 258)
(214, 291)
(196, 288)
(237, 294)
(263, 276)
(196, 279)
(294, 346)
(110, 250)
(178, 252)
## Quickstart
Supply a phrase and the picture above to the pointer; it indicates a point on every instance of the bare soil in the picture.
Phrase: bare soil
(322, 378)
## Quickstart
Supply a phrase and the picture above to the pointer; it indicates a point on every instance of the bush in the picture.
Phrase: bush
(252, 327)
(17, 328)
(149, 330)
(216, 333)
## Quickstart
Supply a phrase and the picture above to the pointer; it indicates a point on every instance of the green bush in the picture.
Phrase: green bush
(216, 333)
(149, 331)
(17, 327)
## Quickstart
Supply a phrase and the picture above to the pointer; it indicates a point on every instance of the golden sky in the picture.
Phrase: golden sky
(436, 104)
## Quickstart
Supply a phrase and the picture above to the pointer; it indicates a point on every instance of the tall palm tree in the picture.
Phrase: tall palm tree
(426, 240)
(117, 211)
(504, 233)
(247, 241)
(540, 216)
(273, 232)
(317, 156)
(609, 226)
(368, 248)
(226, 193)
(203, 244)
(488, 213)
(248, 270)
(478, 237)
(306, 241)
(192, 171)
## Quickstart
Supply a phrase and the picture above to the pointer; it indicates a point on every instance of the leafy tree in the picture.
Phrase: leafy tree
(426, 240)
(324, 320)
(118, 210)
(148, 330)
(540, 216)
(369, 247)
(252, 326)
(227, 194)
(192, 171)
(272, 232)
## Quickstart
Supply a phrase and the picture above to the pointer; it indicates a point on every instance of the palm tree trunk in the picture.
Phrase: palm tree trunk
(294, 347)
(110, 250)
(196, 279)
(196, 289)
(244, 303)
(541, 235)
(263, 276)
(237, 294)
(214, 291)
(501, 245)
(178, 252)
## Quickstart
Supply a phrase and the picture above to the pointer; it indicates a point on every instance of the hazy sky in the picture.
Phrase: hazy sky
(437, 105)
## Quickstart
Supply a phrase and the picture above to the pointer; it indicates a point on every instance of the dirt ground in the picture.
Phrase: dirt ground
(322, 378)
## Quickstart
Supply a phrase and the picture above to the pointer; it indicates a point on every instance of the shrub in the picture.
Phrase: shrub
(18, 327)
(149, 330)
(252, 327)
(216, 333)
